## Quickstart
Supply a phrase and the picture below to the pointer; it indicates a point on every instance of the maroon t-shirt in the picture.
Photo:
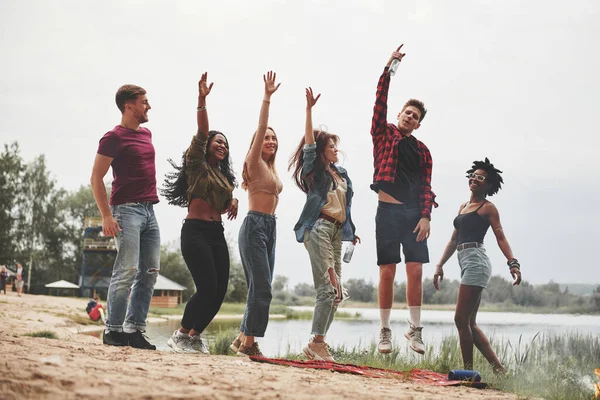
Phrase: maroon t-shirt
(133, 165)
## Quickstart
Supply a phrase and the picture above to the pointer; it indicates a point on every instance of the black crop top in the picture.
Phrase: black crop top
(471, 227)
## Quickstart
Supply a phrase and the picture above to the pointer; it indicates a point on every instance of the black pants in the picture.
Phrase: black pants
(206, 254)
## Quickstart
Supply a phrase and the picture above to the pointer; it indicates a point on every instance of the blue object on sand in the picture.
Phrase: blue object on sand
(464, 375)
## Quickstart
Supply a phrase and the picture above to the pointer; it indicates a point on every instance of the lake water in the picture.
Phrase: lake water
(291, 335)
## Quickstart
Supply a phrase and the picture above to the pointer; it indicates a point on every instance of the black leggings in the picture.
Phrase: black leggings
(206, 254)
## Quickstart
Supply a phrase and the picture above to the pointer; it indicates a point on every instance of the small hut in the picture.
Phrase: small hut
(62, 286)
(167, 293)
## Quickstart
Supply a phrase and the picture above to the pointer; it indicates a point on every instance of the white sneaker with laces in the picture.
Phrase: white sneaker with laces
(198, 345)
(385, 341)
(415, 339)
(180, 343)
(318, 351)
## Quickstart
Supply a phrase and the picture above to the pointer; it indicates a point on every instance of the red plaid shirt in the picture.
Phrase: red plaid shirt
(385, 149)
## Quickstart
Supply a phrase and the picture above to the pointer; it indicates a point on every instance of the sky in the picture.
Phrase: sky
(510, 80)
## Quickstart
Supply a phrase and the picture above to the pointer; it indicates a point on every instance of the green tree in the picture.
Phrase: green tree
(280, 283)
(11, 174)
(172, 266)
(360, 290)
(305, 290)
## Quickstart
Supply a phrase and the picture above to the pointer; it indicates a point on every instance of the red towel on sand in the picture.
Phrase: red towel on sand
(416, 375)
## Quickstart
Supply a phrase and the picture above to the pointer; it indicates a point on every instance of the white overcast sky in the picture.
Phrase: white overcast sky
(516, 81)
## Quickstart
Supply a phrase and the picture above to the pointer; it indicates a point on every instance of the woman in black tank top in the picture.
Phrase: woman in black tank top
(470, 226)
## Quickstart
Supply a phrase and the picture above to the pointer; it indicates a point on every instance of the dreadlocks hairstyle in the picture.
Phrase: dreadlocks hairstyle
(176, 183)
(306, 182)
(270, 161)
(494, 178)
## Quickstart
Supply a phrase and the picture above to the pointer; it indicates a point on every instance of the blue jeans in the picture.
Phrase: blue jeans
(136, 267)
(257, 250)
(324, 245)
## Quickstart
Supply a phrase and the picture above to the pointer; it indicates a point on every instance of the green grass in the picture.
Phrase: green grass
(220, 344)
(550, 367)
(43, 334)
(238, 309)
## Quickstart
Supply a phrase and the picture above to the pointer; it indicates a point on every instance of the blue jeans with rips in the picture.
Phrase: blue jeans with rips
(257, 249)
(136, 267)
(324, 245)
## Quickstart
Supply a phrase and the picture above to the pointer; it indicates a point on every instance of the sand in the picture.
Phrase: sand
(76, 366)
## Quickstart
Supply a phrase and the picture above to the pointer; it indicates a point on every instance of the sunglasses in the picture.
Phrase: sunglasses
(477, 177)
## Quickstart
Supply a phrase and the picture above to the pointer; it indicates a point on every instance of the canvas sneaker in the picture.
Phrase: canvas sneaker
(235, 345)
(198, 345)
(415, 340)
(250, 351)
(385, 341)
(114, 338)
(180, 343)
(138, 340)
(318, 351)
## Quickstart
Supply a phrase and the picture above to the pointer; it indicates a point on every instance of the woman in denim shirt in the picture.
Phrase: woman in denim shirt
(324, 222)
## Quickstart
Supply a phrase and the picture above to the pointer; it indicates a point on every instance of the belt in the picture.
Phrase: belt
(331, 219)
(469, 245)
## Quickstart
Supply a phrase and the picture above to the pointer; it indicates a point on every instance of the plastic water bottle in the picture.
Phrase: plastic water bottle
(348, 253)
(464, 375)
(394, 66)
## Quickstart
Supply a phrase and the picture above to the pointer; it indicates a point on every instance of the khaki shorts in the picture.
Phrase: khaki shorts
(20, 284)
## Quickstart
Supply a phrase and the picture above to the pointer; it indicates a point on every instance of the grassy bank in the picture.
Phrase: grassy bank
(550, 367)
(237, 309)
(495, 307)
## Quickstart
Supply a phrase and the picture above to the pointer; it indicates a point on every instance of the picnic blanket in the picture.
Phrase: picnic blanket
(423, 376)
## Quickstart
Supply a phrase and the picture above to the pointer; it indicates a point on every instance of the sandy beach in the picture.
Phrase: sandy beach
(76, 366)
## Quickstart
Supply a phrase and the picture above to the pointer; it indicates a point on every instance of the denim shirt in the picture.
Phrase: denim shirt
(317, 197)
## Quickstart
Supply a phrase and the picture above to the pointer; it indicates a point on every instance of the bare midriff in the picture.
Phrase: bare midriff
(263, 202)
(200, 209)
(386, 198)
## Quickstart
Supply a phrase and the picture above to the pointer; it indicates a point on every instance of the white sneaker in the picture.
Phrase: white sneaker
(318, 351)
(198, 345)
(180, 343)
(385, 341)
(414, 336)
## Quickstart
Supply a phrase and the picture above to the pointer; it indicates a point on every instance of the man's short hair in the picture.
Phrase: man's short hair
(419, 105)
(128, 93)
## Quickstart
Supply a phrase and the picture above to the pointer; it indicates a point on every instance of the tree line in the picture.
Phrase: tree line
(41, 227)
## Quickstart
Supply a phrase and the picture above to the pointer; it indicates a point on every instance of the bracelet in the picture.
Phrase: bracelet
(201, 108)
(513, 263)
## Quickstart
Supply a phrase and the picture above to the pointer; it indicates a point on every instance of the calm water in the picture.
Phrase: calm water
(292, 335)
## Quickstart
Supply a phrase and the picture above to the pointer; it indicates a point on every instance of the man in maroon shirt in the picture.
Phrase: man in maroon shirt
(402, 180)
(128, 149)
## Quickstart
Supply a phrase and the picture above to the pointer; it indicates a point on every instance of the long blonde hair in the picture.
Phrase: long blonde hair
(270, 161)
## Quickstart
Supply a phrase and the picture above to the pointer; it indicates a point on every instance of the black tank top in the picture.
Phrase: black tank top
(471, 227)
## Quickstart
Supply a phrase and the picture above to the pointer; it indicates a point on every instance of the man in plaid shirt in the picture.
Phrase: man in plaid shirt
(402, 180)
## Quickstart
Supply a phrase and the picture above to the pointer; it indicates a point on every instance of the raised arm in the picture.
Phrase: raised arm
(263, 120)
(494, 218)
(202, 114)
(379, 122)
(311, 100)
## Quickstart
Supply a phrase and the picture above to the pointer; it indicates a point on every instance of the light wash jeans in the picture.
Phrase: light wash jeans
(257, 249)
(136, 267)
(324, 245)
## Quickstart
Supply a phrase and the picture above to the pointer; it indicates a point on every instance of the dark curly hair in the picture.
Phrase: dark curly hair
(176, 183)
(494, 179)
